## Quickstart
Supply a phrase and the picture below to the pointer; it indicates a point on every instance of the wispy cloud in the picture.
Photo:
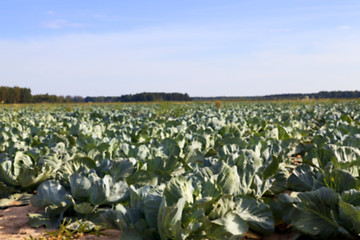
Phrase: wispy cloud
(115, 18)
(101, 16)
(344, 27)
(276, 30)
(50, 12)
(60, 23)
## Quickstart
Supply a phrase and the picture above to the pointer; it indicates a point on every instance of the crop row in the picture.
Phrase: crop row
(187, 171)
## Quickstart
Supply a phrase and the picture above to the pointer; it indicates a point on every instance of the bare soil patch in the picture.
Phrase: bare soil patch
(14, 225)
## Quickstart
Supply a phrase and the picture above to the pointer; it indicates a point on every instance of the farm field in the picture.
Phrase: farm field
(236, 170)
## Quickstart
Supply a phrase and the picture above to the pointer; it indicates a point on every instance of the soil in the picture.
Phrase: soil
(14, 225)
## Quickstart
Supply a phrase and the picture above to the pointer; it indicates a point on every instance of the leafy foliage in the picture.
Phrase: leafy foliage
(188, 171)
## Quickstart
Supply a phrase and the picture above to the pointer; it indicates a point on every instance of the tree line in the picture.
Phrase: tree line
(23, 95)
(289, 96)
(15, 95)
(142, 97)
(319, 95)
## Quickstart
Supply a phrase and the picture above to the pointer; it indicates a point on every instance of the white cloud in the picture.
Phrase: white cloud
(344, 27)
(50, 12)
(60, 23)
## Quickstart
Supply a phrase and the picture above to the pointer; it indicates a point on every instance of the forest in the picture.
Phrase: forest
(23, 95)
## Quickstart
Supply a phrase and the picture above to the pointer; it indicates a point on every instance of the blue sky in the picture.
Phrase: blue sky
(201, 47)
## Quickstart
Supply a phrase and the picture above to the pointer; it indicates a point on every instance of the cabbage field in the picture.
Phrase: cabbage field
(189, 170)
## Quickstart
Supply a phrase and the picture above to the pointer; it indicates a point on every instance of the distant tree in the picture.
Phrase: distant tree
(17, 94)
(4, 91)
(25, 95)
(68, 99)
(10, 96)
(143, 97)
(78, 99)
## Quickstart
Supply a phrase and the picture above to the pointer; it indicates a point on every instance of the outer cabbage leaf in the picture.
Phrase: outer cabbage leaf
(106, 191)
(169, 220)
(51, 193)
(230, 226)
(228, 180)
(302, 178)
(281, 208)
(350, 217)
(77, 164)
(280, 183)
(148, 200)
(247, 165)
(221, 207)
(256, 213)
(316, 214)
(170, 147)
(41, 219)
(176, 189)
(84, 208)
(338, 180)
(122, 168)
(6, 173)
(80, 186)
(351, 196)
